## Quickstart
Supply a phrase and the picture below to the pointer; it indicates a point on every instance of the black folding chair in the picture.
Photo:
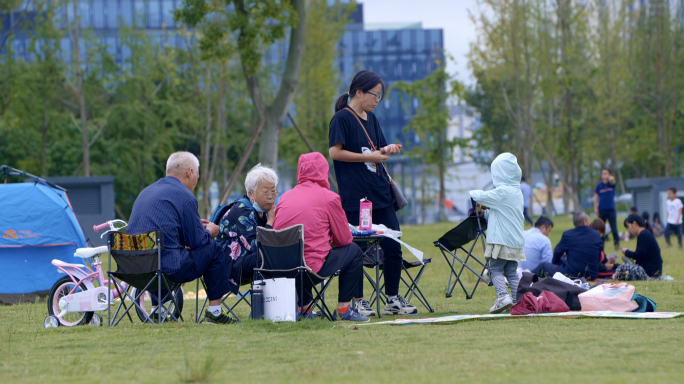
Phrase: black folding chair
(472, 228)
(242, 296)
(282, 256)
(373, 258)
(138, 262)
(216, 218)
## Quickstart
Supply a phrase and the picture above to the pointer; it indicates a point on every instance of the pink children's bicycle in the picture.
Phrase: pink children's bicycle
(75, 298)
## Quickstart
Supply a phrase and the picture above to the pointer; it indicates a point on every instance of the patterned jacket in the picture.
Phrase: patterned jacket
(238, 228)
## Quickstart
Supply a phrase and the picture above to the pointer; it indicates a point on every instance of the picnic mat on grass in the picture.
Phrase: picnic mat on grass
(573, 314)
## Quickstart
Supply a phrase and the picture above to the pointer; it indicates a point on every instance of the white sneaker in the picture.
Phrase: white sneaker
(399, 306)
(502, 304)
(363, 307)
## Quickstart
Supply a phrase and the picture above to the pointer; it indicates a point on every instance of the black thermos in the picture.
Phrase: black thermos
(258, 300)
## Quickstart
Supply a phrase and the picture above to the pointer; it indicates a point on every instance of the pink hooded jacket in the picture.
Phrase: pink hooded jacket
(313, 204)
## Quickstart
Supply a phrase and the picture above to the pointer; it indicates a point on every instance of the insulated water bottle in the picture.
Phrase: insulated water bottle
(258, 300)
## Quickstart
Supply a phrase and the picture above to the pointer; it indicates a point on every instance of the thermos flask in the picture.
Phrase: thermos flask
(258, 300)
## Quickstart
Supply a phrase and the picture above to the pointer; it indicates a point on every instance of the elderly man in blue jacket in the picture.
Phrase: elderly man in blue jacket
(577, 254)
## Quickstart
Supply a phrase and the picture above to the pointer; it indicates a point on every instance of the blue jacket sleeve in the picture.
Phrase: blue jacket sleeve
(192, 231)
(560, 250)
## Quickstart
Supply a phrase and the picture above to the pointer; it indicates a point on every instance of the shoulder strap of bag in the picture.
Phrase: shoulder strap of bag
(364, 128)
(369, 139)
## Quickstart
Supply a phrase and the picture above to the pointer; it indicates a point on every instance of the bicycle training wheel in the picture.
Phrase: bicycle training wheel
(61, 289)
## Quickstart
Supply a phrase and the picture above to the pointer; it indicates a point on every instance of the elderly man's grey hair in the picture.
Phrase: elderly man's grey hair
(257, 174)
(579, 218)
(180, 161)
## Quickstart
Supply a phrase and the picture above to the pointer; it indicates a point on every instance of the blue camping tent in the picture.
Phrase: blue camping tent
(37, 225)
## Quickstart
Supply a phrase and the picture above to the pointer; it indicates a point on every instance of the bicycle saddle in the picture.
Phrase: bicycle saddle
(90, 252)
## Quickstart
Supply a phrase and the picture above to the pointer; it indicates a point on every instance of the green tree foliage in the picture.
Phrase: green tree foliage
(138, 112)
(256, 25)
(581, 85)
(430, 121)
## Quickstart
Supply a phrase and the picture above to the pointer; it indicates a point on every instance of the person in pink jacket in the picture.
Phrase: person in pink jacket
(328, 245)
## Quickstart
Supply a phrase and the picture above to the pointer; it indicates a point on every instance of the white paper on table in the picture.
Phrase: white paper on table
(417, 253)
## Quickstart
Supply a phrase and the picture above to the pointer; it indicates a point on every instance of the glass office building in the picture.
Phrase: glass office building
(396, 52)
(104, 18)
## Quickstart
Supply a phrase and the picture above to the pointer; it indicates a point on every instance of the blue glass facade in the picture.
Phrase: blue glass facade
(399, 54)
(105, 18)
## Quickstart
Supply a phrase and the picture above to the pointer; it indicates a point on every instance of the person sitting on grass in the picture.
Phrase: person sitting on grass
(189, 251)
(657, 225)
(648, 262)
(577, 254)
(328, 242)
(538, 247)
(505, 223)
(607, 264)
(237, 233)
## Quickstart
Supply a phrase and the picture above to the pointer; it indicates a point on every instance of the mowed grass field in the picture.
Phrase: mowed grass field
(500, 351)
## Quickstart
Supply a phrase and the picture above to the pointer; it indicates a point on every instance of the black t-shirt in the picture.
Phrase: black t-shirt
(359, 180)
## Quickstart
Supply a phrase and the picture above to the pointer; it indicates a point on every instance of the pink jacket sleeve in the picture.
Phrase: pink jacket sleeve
(341, 235)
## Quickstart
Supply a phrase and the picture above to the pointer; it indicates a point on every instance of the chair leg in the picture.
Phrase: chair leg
(199, 313)
(171, 291)
(319, 299)
(414, 289)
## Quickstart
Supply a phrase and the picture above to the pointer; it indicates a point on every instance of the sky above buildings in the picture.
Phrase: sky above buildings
(449, 15)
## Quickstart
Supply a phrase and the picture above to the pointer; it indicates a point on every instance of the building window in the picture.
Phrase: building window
(153, 14)
(112, 13)
(98, 10)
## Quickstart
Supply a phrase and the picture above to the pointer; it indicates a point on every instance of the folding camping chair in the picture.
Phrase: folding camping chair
(282, 256)
(373, 258)
(138, 263)
(242, 296)
(472, 228)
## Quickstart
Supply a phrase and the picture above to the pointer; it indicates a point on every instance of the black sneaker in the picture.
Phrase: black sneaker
(210, 318)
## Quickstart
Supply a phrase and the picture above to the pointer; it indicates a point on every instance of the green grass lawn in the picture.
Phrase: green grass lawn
(500, 351)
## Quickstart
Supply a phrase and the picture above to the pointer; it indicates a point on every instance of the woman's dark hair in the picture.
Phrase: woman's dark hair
(656, 216)
(363, 81)
(645, 216)
(634, 218)
(598, 225)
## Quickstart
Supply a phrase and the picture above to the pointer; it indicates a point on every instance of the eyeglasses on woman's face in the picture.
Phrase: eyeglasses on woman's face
(268, 193)
(377, 97)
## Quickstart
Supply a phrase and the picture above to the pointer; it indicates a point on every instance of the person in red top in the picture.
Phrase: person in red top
(328, 243)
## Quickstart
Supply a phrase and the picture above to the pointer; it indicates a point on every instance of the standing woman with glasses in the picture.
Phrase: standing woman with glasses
(237, 233)
(359, 149)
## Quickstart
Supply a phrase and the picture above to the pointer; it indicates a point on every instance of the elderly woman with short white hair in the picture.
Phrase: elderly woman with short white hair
(237, 233)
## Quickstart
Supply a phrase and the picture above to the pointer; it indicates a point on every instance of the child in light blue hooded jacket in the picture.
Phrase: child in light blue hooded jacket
(505, 221)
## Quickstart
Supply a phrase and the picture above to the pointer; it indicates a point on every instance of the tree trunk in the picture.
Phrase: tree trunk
(81, 92)
(206, 144)
(441, 168)
(273, 115)
(568, 102)
(43, 147)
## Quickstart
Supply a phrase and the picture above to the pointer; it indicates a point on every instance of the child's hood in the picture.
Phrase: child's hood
(505, 170)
